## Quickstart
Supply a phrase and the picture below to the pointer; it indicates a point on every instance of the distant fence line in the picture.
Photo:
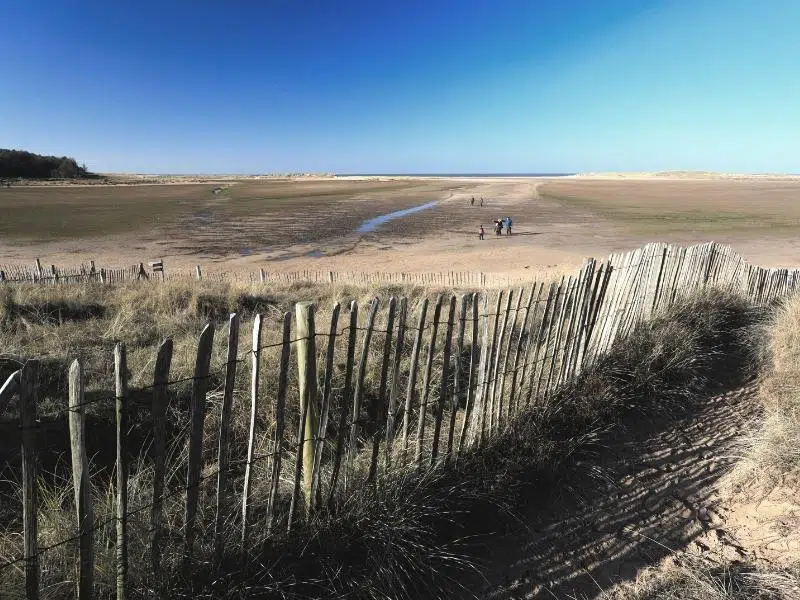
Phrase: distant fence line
(445, 380)
(721, 261)
(90, 273)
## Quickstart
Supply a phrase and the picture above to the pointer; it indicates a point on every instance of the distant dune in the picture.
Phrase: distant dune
(709, 175)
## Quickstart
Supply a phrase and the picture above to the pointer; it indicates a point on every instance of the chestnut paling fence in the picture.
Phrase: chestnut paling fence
(330, 407)
(37, 273)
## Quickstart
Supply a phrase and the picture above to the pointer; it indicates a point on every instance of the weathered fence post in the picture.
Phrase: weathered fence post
(412, 374)
(198, 273)
(448, 344)
(488, 381)
(224, 435)
(322, 430)
(159, 414)
(197, 412)
(347, 397)
(426, 386)
(395, 388)
(562, 317)
(497, 402)
(121, 377)
(544, 335)
(502, 375)
(481, 378)
(28, 402)
(526, 334)
(80, 480)
(458, 379)
(307, 384)
(255, 352)
(280, 404)
(471, 385)
(379, 411)
(359, 391)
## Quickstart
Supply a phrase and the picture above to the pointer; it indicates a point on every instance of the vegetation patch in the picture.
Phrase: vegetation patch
(27, 165)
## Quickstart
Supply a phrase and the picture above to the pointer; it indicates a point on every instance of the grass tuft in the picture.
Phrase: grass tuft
(696, 579)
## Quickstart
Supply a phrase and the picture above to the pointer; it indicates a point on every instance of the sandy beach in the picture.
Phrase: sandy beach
(282, 224)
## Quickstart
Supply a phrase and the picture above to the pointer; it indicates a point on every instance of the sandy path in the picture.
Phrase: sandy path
(648, 494)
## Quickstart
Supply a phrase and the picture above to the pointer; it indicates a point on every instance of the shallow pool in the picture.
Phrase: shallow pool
(374, 223)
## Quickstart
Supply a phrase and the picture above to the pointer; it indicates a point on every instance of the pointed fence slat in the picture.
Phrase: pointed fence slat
(159, 414)
(28, 403)
(358, 396)
(504, 371)
(426, 383)
(479, 411)
(394, 391)
(280, 425)
(458, 379)
(81, 483)
(223, 461)
(197, 414)
(412, 375)
(471, 383)
(319, 447)
(445, 383)
(347, 398)
(524, 334)
(379, 408)
(488, 397)
(121, 409)
(254, 393)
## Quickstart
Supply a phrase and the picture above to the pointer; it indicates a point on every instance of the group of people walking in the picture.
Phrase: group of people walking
(499, 225)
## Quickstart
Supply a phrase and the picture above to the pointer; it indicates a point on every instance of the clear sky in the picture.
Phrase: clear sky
(365, 86)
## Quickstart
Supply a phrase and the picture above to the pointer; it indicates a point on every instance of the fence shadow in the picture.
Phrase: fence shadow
(646, 493)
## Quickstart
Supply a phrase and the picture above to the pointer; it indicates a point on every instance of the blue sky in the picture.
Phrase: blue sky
(404, 86)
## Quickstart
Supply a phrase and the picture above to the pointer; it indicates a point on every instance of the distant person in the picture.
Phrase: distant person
(498, 227)
(480, 233)
(508, 225)
(481, 200)
(472, 202)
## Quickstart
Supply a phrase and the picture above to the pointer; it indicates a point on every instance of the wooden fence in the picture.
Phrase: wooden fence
(330, 407)
(136, 273)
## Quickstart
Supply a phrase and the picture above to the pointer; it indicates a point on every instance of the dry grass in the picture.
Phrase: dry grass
(408, 538)
(770, 461)
(58, 324)
(772, 456)
(700, 580)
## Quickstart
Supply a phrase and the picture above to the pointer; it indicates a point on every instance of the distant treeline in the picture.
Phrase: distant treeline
(18, 163)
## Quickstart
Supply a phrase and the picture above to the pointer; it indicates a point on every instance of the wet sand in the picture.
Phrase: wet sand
(288, 225)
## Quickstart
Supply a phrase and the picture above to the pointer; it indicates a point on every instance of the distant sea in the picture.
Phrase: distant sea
(455, 174)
